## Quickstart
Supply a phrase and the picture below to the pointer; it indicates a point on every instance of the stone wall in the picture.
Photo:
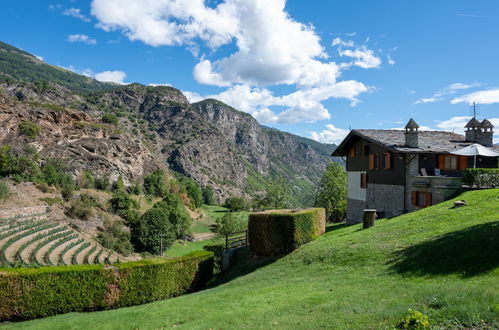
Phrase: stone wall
(388, 200)
(23, 212)
(355, 210)
(441, 188)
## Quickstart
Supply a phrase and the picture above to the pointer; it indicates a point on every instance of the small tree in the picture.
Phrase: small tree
(102, 183)
(332, 192)
(236, 203)
(277, 195)
(151, 230)
(110, 118)
(231, 222)
(154, 184)
(208, 195)
(119, 185)
(4, 190)
(195, 193)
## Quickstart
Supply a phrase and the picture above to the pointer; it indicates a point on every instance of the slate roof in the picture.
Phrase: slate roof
(411, 124)
(486, 124)
(472, 123)
(428, 141)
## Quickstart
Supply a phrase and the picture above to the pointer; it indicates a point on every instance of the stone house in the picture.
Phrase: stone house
(400, 171)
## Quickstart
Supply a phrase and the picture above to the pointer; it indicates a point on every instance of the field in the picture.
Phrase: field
(441, 261)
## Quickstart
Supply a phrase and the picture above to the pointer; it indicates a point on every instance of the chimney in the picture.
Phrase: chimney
(472, 130)
(411, 134)
(485, 137)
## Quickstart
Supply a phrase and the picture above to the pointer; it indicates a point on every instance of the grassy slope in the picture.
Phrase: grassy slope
(440, 261)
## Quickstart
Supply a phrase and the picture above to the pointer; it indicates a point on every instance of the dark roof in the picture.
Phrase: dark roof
(486, 124)
(473, 123)
(428, 141)
(411, 124)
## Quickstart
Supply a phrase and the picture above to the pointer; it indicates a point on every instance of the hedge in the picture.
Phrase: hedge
(39, 292)
(282, 231)
(218, 249)
(482, 177)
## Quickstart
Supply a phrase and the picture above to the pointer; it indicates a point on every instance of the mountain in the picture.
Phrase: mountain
(17, 66)
(209, 141)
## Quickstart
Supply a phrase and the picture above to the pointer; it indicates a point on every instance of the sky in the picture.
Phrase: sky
(312, 68)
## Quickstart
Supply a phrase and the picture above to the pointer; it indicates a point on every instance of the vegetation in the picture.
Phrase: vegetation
(102, 183)
(277, 195)
(440, 261)
(49, 291)
(194, 192)
(155, 184)
(153, 231)
(110, 118)
(30, 129)
(237, 204)
(482, 177)
(4, 190)
(208, 195)
(114, 237)
(332, 193)
(231, 222)
(278, 232)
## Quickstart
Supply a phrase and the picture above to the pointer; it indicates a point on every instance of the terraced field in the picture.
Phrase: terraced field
(32, 241)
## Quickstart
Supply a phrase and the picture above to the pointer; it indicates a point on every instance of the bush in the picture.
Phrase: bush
(40, 292)
(87, 180)
(178, 216)
(195, 193)
(119, 185)
(30, 129)
(218, 249)
(235, 204)
(110, 118)
(102, 183)
(482, 177)
(122, 202)
(4, 190)
(67, 191)
(278, 232)
(114, 237)
(153, 229)
(81, 208)
(208, 195)
(415, 321)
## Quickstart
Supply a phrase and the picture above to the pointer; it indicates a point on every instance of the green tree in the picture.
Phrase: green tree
(231, 222)
(332, 192)
(110, 118)
(30, 129)
(277, 195)
(119, 185)
(208, 195)
(178, 215)
(152, 228)
(102, 183)
(236, 203)
(195, 193)
(154, 184)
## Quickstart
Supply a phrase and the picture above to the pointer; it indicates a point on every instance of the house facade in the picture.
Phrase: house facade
(400, 171)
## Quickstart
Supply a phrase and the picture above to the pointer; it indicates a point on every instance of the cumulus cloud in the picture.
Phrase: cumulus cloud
(39, 57)
(76, 12)
(488, 96)
(111, 76)
(390, 60)
(449, 90)
(81, 38)
(331, 134)
(270, 48)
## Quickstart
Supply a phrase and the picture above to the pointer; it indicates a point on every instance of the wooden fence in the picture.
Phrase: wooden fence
(236, 239)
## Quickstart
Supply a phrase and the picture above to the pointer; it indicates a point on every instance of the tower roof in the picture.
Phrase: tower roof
(486, 124)
(473, 123)
(411, 124)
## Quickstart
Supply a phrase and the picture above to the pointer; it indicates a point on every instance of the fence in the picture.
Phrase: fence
(236, 239)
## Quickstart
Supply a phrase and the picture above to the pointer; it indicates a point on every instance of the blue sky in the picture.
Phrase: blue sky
(311, 68)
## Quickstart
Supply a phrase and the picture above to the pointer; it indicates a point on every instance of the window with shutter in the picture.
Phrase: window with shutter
(421, 198)
(363, 180)
(352, 152)
(371, 162)
(387, 161)
(463, 162)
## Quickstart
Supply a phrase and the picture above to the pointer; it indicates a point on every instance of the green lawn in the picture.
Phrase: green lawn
(210, 215)
(440, 261)
(178, 249)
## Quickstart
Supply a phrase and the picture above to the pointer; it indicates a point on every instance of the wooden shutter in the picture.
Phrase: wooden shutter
(415, 198)
(441, 162)
(366, 150)
(363, 180)
(352, 152)
(463, 162)
(428, 199)
(371, 162)
(388, 161)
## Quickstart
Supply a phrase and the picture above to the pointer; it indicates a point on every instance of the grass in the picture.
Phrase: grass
(210, 214)
(178, 249)
(440, 261)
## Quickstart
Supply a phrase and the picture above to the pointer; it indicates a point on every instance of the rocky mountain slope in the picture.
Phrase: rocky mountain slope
(209, 141)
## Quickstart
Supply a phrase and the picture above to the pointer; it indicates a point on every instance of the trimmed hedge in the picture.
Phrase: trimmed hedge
(282, 231)
(218, 249)
(31, 293)
(482, 177)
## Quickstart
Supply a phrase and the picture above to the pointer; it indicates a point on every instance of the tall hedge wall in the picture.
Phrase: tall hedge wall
(282, 231)
(28, 293)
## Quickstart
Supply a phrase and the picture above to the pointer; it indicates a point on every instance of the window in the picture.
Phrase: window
(387, 161)
(421, 198)
(452, 163)
(363, 180)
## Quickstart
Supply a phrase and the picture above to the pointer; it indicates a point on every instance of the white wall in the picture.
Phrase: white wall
(354, 189)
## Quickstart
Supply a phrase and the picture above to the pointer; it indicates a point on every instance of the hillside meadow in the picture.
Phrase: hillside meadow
(441, 261)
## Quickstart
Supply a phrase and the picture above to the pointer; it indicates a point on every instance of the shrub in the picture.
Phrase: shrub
(218, 249)
(39, 292)
(122, 202)
(153, 229)
(231, 222)
(110, 118)
(208, 195)
(114, 237)
(119, 185)
(52, 200)
(178, 216)
(81, 208)
(102, 183)
(4, 190)
(195, 193)
(67, 191)
(415, 320)
(278, 232)
(482, 177)
(87, 180)
(30, 129)
(235, 204)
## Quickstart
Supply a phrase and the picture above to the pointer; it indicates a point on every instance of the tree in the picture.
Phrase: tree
(154, 184)
(208, 195)
(152, 229)
(195, 193)
(332, 192)
(277, 195)
(119, 185)
(110, 118)
(231, 222)
(236, 203)
(178, 216)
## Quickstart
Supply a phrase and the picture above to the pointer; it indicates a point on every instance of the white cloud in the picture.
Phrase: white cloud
(39, 57)
(489, 96)
(76, 12)
(455, 124)
(111, 76)
(193, 97)
(341, 42)
(159, 85)
(449, 90)
(390, 60)
(271, 48)
(81, 38)
(331, 134)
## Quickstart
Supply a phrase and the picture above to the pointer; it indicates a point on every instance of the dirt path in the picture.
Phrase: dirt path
(54, 256)
(69, 254)
(83, 253)
(202, 236)
(92, 256)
